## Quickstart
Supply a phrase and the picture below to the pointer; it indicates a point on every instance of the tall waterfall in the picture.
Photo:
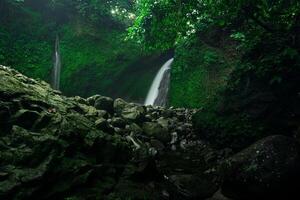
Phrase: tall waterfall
(158, 92)
(56, 66)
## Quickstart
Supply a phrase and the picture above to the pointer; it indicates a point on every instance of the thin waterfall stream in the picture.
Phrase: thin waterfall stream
(56, 66)
(158, 93)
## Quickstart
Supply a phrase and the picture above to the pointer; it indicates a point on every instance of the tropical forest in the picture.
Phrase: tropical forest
(149, 99)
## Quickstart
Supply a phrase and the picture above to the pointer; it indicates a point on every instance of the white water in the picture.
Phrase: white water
(56, 67)
(154, 89)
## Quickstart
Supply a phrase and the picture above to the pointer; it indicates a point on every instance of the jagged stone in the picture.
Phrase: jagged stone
(104, 103)
(54, 147)
(51, 145)
(118, 122)
(26, 118)
(129, 111)
(156, 131)
(267, 169)
(102, 124)
(193, 186)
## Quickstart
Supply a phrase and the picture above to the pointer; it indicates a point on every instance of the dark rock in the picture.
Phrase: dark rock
(193, 186)
(80, 100)
(129, 111)
(26, 118)
(135, 129)
(102, 124)
(42, 122)
(118, 122)
(91, 100)
(269, 169)
(164, 123)
(156, 144)
(53, 149)
(5, 124)
(156, 131)
(218, 196)
(104, 103)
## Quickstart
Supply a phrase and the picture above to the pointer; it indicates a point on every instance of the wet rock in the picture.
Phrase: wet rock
(26, 118)
(102, 114)
(129, 111)
(120, 105)
(5, 124)
(104, 103)
(193, 186)
(54, 147)
(164, 123)
(118, 122)
(102, 124)
(218, 196)
(267, 169)
(156, 144)
(134, 128)
(156, 131)
(91, 100)
(80, 100)
(167, 113)
(42, 122)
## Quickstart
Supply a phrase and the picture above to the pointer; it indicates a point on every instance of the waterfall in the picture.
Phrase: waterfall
(158, 92)
(56, 66)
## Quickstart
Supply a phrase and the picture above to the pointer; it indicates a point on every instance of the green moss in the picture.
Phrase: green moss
(98, 61)
(95, 57)
(24, 46)
(198, 72)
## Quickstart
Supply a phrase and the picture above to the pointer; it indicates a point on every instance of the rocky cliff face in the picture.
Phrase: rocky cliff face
(54, 147)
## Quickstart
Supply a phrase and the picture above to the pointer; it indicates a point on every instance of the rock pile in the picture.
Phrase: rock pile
(55, 147)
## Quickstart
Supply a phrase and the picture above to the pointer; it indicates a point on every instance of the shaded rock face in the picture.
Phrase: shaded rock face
(54, 147)
(269, 169)
(129, 111)
(50, 146)
(101, 103)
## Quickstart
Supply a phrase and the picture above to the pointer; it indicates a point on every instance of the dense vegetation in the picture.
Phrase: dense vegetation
(232, 128)
(94, 53)
(238, 60)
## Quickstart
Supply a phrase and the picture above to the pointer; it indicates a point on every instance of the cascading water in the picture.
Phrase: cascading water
(56, 66)
(158, 92)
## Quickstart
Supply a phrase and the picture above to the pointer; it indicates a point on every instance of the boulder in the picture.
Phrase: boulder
(163, 122)
(118, 122)
(134, 128)
(80, 100)
(4, 117)
(102, 124)
(101, 102)
(26, 118)
(218, 196)
(104, 103)
(91, 100)
(268, 169)
(192, 186)
(156, 131)
(129, 111)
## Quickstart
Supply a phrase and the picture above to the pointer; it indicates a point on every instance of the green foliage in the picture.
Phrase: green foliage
(23, 48)
(93, 51)
(95, 62)
(198, 72)
(234, 131)
(264, 66)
